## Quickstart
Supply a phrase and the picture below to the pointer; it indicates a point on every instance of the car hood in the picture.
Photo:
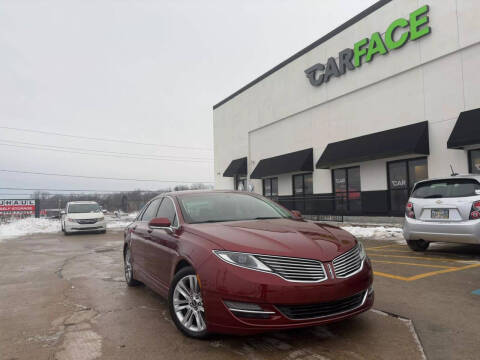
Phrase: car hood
(283, 237)
(85, 216)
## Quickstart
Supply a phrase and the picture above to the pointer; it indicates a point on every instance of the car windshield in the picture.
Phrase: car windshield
(449, 188)
(218, 207)
(83, 208)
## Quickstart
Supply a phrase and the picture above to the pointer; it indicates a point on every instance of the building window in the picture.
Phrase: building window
(402, 175)
(347, 190)
(302, 184)
(240, 183)
(474, 161)
(270, 187)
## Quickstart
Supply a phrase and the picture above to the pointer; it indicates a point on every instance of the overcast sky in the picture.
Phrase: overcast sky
(140, 71)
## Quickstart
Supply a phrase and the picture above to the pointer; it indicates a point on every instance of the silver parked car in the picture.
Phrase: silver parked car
(443, 209)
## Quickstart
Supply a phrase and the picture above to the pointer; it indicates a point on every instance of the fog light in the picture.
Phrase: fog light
(248, 310)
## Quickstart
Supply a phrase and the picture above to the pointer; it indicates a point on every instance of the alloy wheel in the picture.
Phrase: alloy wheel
(128, 266)
(188, 304)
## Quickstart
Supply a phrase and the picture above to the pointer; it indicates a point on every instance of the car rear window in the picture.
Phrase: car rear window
(448, 188)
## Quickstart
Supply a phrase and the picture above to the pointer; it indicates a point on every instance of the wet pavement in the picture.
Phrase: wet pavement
(65, 298)
(435, 289)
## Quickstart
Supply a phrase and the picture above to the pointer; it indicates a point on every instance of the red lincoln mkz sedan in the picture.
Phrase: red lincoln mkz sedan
(236, 262)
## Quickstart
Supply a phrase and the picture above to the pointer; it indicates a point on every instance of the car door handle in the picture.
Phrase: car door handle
(150, 231)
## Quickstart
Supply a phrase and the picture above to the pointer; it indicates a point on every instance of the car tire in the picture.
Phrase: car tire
(128, 269)
(186, 304)
(418, 245)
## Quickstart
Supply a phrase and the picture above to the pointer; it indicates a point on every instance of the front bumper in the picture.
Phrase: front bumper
(76, 227)
(224, 282)
(464, 232)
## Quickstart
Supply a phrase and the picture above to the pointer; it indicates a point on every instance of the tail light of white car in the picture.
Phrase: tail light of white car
(475, 211)
(409, 212)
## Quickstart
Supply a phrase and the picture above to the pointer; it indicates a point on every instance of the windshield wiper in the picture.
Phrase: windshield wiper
(266, 217)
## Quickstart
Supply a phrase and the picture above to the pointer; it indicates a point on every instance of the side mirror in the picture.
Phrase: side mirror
(297, 214)
(159, 223)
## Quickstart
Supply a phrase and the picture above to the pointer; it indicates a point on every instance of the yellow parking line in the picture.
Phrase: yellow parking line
(380, 247)
(391, 276)
(421, 276)
(424, 275)
(420, 258)
(414, 264)
(390, 250)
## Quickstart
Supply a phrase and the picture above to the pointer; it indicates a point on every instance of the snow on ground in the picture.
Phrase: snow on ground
(118, 223)
(29, 226)
(375, 232)
(121, 221)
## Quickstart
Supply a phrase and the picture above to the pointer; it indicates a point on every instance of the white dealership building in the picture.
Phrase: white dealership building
(348, 124)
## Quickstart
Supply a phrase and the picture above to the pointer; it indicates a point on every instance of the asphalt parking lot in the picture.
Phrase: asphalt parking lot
(438, 290)
(65, 298)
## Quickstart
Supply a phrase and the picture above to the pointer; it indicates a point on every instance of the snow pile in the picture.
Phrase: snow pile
(120, 221)
(132, 215)
(29, 226)
(117, 223)
(375, 232)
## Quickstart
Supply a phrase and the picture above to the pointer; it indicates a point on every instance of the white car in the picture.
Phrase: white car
(83, 216)
(445, 210)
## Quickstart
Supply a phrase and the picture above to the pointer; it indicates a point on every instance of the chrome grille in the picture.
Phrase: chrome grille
(347, 264)
(295, 269)
(87, 221)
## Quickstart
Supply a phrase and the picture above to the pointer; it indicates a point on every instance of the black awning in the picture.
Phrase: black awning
(405, 140)
(236, 167)
(292, 162)
(466, 130)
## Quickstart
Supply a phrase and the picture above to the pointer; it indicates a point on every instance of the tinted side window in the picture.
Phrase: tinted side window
(150, 212)
(140, 213)
(167, 210)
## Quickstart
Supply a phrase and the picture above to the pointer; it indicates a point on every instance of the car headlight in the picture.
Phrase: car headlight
(71, 220)
(361, 250)
(242, 259)
(100, 219)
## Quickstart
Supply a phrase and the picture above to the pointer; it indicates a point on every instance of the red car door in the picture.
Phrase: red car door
(141, 238)
(164, 243)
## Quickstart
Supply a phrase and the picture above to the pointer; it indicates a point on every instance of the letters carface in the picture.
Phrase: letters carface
(414, 28)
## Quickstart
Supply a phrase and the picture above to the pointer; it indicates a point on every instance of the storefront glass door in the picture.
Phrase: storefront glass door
(302, 186)
(347, 190)
(402, 175)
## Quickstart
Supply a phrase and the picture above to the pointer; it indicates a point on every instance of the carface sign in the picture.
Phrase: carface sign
(17, 206)
(414, 28)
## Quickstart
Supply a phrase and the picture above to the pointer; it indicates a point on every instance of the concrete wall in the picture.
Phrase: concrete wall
(433, 78)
